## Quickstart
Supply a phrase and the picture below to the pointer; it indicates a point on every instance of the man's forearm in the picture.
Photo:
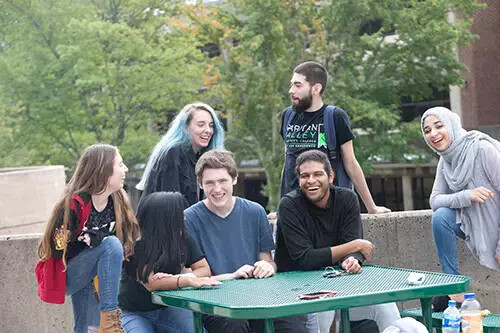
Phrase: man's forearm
(222, 277)
(340, 252)
(358, 179)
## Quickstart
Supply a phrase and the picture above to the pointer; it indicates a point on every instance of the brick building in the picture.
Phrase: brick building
(478, 101)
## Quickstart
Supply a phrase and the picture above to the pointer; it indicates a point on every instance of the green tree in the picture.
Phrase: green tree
(73, 73)
(258, 41)
(409, 49)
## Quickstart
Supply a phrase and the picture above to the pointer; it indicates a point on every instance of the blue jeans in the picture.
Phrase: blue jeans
(446, 230)
(105, 261)
(165, 320)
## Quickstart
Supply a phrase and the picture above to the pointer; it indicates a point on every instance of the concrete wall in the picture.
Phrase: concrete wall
(27, 196)
(22, 310)
(402, 240)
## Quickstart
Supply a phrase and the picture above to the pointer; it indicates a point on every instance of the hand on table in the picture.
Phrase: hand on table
(160, 275)
(244, 272)
(263, 269)
(351, 265)
(203, 282)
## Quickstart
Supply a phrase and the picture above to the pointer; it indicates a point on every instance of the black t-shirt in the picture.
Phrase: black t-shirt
(98, 226)
(306, 232)
(133, 296)
(306, 131)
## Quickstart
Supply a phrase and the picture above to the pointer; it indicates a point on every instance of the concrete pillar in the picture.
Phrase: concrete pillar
(407, 192)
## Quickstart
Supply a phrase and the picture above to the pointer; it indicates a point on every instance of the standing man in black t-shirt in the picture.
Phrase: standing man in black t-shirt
(306, 130)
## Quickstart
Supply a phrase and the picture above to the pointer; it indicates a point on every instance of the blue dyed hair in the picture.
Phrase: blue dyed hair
(177, 134)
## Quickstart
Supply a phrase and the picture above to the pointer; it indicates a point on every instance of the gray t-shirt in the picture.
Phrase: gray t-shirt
(231, 242)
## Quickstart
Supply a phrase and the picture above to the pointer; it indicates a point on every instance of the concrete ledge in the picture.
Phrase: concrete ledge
(22, 310)
(27, 196)
(402, 239)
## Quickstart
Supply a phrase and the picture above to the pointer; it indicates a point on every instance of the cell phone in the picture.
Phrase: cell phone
(317, 294)
(416, 279)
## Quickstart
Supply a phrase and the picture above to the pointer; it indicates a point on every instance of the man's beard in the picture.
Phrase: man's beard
(304, 104)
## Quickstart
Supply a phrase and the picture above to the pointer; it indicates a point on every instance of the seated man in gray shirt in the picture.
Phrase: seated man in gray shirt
(319, 225)
(235, 237)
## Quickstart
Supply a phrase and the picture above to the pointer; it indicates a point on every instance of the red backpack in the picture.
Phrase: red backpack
(50, 273)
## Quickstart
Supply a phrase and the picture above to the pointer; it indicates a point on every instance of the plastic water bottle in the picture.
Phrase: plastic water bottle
(451, 318)
(471, 315)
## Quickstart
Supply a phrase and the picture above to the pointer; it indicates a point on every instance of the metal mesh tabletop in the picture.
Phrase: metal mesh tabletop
(253, 298)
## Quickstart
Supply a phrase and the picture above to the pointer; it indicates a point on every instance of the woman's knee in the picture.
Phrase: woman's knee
(113, 246)
(440, 217)
(134, 323)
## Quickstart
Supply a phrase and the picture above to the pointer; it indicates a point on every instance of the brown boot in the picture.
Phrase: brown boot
(111, 322)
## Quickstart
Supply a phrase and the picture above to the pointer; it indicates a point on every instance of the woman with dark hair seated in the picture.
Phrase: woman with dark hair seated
(159, 259)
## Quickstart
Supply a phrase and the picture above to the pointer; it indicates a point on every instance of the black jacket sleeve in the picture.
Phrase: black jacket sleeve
(61, 237)
(167, 179)
(167, 174)
(293, 227)
(350, 216)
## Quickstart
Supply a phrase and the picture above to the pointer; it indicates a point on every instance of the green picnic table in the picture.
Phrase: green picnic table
(276, 296)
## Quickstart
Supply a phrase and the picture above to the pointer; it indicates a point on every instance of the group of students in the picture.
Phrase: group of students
(190, 231)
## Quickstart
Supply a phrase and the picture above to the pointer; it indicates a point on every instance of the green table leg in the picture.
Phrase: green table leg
(426, 304)
(344, 319)
(268, 326)
(198, 322)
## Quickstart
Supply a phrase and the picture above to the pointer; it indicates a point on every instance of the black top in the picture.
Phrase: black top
(98, 226)
(133, 296)
(175, 172)
(307, 131)
(306, 232)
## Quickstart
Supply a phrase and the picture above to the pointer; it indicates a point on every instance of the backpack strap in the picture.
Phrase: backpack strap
(343, 179)
(331, 137)
(288, 115)
(82, 210)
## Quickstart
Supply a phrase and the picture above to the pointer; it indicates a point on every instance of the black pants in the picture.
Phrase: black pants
(215, 324)
(364, 326)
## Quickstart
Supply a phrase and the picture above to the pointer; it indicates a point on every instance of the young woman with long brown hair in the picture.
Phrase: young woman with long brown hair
(91, 230)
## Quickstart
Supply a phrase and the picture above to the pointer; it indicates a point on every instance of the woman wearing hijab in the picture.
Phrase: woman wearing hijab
(466, 193)
(465, 197)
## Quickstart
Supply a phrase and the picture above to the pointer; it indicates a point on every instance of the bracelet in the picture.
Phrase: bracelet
(178, 280)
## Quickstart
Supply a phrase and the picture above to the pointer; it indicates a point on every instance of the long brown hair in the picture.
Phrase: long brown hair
(91, 176)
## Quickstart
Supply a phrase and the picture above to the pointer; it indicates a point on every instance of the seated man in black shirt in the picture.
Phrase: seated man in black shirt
(319, 225)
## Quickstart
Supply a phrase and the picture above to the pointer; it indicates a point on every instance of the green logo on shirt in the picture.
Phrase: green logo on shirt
(322, 141)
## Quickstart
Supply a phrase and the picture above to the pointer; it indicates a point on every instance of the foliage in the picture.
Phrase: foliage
(73, 73)
(409, 49)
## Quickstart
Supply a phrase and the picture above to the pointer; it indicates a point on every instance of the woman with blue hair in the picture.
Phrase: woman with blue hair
(195, 130)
